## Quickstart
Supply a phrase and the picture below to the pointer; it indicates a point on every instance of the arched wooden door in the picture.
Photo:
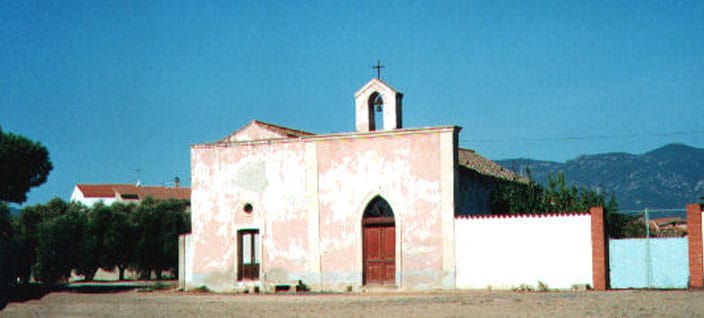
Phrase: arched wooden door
(379, 241)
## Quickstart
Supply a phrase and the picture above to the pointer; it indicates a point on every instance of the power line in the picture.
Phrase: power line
(593, 137)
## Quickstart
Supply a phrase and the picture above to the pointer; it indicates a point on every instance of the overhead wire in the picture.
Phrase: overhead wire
(592, 137)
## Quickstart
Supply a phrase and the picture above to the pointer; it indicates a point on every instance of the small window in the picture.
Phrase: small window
(129, 196)
(248, 208)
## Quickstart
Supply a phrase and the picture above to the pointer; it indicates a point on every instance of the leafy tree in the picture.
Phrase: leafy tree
(158, 224)
(23, 164)
(119, 239)
(7, 231)
(92, 250)
(28, 222)
(515, 197)
(8, 248)
(59, 244)
(53, 239)
(28, 230)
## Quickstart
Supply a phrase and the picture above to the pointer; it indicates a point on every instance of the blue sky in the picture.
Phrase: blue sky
(119, 90)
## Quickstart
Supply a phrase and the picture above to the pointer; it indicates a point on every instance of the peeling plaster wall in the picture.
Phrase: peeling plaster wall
(270, 177)
(507, 251)
(253, 132)
(309, 196)
(407, 172)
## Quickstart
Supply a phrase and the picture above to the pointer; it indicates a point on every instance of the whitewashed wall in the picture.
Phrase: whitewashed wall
(503, 252)
(77, 196)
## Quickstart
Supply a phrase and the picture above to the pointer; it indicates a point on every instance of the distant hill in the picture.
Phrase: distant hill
(667, 177)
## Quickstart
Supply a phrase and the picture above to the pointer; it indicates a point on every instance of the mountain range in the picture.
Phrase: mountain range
(665, 178)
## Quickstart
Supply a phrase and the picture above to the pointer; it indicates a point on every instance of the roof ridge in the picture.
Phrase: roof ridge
(255, 121)
(470, 159)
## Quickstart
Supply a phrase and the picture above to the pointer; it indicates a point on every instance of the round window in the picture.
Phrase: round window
(248, 208)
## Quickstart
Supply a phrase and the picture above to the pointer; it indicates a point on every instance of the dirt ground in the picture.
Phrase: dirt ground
(133, 303)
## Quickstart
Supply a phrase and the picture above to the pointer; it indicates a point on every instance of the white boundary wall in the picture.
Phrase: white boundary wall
(503, 252)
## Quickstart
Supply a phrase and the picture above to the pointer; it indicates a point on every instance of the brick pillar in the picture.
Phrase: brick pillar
(600, 249)
(694, 236)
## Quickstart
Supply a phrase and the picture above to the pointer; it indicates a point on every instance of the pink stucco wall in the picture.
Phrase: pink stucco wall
(309, 195)
(406, 172)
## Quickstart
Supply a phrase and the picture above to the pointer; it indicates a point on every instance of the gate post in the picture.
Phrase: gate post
(694, 237)
(600, 249)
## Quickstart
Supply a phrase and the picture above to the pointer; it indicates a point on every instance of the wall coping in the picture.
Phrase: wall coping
(333, 136)
(526, 215)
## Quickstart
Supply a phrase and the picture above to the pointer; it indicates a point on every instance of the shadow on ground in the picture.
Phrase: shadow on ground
(36, 291)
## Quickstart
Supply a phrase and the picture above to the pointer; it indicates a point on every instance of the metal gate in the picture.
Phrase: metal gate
(648, 249)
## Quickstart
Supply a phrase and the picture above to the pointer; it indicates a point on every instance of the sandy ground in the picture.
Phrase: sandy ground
(133, 303)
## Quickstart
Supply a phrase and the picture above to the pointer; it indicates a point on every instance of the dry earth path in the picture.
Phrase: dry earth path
(630, 303)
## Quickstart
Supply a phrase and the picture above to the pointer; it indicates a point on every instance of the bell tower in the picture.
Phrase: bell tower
(377, 97)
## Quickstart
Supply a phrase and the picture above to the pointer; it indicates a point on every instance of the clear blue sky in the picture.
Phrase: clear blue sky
(110, 88)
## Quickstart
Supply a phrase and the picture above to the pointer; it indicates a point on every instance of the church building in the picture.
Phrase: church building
(274, 207)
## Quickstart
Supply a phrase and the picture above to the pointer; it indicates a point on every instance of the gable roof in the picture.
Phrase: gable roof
(376, 84)
(470, 159)
(133, 192)
(259, 130)
(97, 190)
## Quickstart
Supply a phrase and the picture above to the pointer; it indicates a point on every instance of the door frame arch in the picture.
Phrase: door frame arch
(380, 243)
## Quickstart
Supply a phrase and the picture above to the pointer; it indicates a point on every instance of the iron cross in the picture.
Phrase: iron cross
(378, 68)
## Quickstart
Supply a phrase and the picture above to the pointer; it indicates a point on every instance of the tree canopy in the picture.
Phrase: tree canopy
(23, 164)
(515, 197)
(50, 241)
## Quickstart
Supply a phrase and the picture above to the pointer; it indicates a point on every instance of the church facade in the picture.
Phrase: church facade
(274, 207)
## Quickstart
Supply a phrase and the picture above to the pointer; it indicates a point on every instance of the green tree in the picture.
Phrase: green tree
(92, 250)
(8, 248)
(120, 239)
(109, 240)
(23, 164)
(29, 220)
(28, 226)
(7, 228)
(515, 197)
(59, 244)
(558, 197)
(158, 224)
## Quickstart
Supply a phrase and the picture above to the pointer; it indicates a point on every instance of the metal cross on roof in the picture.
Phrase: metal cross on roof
(378, 68)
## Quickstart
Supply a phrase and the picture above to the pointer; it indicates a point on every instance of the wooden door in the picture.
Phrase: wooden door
(248, 258)
(380, 254)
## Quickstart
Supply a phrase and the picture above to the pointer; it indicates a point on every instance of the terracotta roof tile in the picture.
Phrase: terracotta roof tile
(470, 159)
(97, 190)
(133, 191)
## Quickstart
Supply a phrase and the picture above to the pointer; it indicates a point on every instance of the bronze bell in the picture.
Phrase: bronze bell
(379, 103)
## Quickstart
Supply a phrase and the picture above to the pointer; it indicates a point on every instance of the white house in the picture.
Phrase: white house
(90, 194)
